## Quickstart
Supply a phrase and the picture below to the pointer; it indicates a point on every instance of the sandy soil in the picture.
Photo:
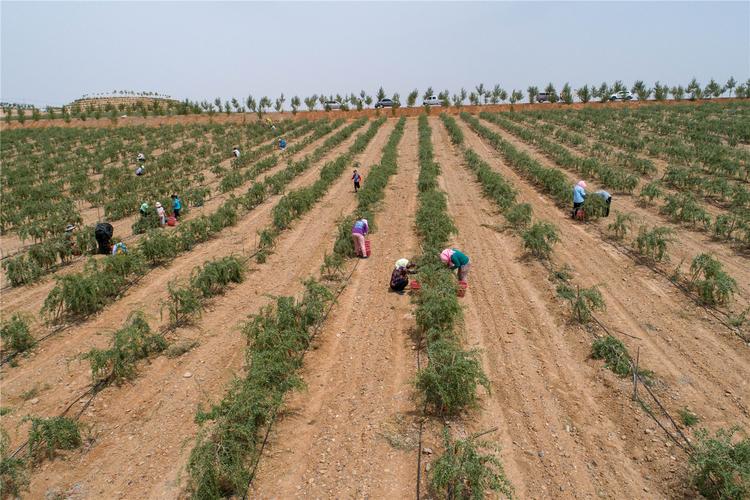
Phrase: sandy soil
(140, 424)
(566, 426)
(332, 441)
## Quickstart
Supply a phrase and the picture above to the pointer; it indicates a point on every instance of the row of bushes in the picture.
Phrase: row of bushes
(231, 440)
(80, 294)
(611, 177)
(298, 202)
(448, 384)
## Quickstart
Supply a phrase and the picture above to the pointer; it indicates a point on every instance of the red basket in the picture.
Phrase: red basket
(415, 285)
(171, 221)
(461, 290)
(367, 248)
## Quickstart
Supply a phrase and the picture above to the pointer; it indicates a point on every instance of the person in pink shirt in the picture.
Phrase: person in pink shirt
(359, 231)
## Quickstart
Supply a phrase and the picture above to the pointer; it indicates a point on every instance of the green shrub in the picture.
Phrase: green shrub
(183, 304)
(687, 417)
(15, 334)
(651, 191)
(464, 472)
(14, 476)
(449, 381)
(133, 342)
(614, 353)
(720, 469)
(621, 225)
(539, 238)
(519, 216)
(652, 244)
(214, 276)
(48, 435)
(714, 286)
(583, 301)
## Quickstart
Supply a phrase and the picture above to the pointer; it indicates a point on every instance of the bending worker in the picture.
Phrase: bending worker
(359, 231)
(455, 259)
(607, 199)
(579, 196)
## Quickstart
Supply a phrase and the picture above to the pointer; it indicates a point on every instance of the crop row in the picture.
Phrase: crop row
(611, 177)
(80, 294)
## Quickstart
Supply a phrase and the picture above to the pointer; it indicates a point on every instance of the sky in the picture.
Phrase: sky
(54, 52)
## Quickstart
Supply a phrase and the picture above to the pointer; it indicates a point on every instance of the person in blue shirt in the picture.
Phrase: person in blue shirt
(607, 199)
(282, 144)
(579, 197)
(176, 206)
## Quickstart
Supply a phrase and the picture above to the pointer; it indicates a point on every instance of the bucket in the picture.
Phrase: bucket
(580, 214)
(415, 285)
(367, 248)
(171, 221)
(462, 286)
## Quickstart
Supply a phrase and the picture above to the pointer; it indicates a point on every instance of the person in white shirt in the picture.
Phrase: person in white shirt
(141, 157)
(161, 214)
(236, 152)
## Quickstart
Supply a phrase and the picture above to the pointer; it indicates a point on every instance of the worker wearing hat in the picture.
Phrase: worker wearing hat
(456, 259)
(579, 197)
(400, 275)
(161, 214)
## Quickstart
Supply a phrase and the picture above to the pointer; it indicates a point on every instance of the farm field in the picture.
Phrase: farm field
(247, 351)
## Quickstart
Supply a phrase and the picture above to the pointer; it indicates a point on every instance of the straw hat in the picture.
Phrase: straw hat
(158, 205)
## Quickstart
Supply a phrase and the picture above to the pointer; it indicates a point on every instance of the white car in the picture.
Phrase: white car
(623, 95)
(332, 105)
(431, 101)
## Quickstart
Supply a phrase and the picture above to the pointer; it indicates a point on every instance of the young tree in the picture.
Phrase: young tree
(618, 87)
(22, 115)
(235, 104)
(495, 94)
(279, 105)
(264, 103)
(694, 89)
(480, 92)
(516, 96)
(677, 92)
(396, 103)
(381, 94)
(742, 91)
(532, 92)
(713, 89)
(50, 112)
(503, 95)
(731, 84)
(456, 99)
(251, 104)
(311, 101)
(227, 107)
(583, 94)
(428, 93)
(640, 89)
(604, 92)
(35, 114)
(551, 93)
(660, 91)
(474, 99)
(566, 94)
(217, 103)
(411, 99)
(445, 99)
(368, 100)
(295, 102)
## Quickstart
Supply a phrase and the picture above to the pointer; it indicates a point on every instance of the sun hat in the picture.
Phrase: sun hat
(69, 227)
(582, 184)
(402, 263)
(158, 205)
(446, 255)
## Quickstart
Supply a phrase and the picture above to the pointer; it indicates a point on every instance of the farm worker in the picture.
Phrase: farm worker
(236, 152)
(161, 214)
(176, 206)
(359, 231)
(282, 144)
(357, 179)
(607, 199)
(144, 209)
(579, 196)
(103, 232)
(141, 157)
(400, 275)
(119, 248)
(455, 259)
(69, 239)
(140, 170)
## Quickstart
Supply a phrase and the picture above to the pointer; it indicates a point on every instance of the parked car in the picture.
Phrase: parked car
(622, 95)
(543, 97)
(332, 105)
(431, 101)
(384, 103)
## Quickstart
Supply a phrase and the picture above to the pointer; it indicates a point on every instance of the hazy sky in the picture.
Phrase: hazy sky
(54, 52)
